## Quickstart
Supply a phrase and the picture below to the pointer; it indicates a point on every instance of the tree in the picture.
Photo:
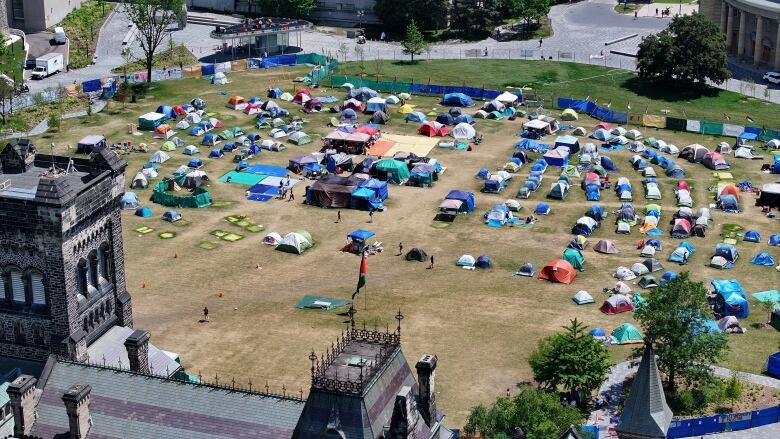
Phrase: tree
(529, 11)
(287, 8)
(428, 14)
(690, 51)
(572, 360)
(768, 306)
(475, 17)
(6, 94)
(733, 389)
(414, 42)
(674, 322)
(152, 18)
(540, 414)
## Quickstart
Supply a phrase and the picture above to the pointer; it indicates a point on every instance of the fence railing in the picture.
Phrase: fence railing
(722, 423)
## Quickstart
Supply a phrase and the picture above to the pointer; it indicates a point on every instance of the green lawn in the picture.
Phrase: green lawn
(553, 79)
(12, 60)
(180, 55)
(82, 27)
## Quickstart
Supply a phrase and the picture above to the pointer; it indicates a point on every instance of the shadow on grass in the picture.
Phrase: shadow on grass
(669, 92)
(407, 62)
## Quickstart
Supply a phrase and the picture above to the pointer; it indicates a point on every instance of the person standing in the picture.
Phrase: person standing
(540, 42)
(371, 216)
(205, 314)
(656, 12)
(431, 267)
(338, 216)
(400, 248)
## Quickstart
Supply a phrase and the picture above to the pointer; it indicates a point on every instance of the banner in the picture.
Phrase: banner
(732, 130)
(713, 128)
(675, 124)
(651, 120)
(693, 126)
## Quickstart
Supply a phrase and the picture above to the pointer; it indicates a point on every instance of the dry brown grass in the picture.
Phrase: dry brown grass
(483, 324)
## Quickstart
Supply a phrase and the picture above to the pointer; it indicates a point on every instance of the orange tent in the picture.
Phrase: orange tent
(558, 270)
(236, 100)
(162, 129)
(729, 189)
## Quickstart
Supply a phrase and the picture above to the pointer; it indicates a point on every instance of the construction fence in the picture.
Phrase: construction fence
(415, 88)
(698, 427)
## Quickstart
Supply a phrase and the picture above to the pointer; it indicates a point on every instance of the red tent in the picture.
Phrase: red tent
(432, 128)
(558, 270)
(299, 95)
(681, 228)
(179, 110)
(682, 184)
(616, 303)
(729, 189)
(366, 130)
(604, 125)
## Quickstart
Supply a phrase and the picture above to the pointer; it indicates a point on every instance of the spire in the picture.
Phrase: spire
(645, 413)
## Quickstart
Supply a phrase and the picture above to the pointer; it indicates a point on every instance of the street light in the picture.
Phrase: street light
(360, 19)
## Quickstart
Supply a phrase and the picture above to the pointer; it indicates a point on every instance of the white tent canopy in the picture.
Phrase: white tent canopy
(506, 97)
(464, 130)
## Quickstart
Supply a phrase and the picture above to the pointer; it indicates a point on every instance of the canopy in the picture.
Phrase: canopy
(506, 97)
(360, 235)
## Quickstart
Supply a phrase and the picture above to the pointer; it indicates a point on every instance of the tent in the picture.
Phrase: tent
(237, 103)
(379, 118)
(445, 119)
(616, 304)
(727, 251)
(483, 262)
(569, 115)
(139, 181)
(770, 196)
(466, 197)
(506, 98)
(406, 109)
(219, 79)
(190, 150)
(375, 104)
(150, 121)
(752, 236)
(464, 131)
(160, 157)
(416, 254)
(605, 246)
(494, 105)
(648, 281)
(416, 116)
(210, 140)
(527, 270)
(433, 128)
(579, 242)
(129, 201)
(558, 191)
(731, 300)
(774, 240)
(362, 94)
(143, 212)
(216, 153)
(626, 334)
(392, 171)
(299, 138)
(652, 265)
(582, 298)
(681, 228)
(182, 125)
(558, 270)
(272, 238)
(763, 258)
(624, 273)
(715, 161)
(680, 255)
(392, 100)
(302, 95)
(466, 261)
(457, 100)
(295, 242)
(731, 325)
(773, 365)
(195, 163)
(601, 134)
(574, 257)
(171, 216)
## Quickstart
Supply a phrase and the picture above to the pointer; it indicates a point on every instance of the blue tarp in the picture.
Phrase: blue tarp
(457, 99)
(208, 69)
(90, 86)
(734, 297)
(601, 113)
(360, 234)
(773, 365)
(278, 60)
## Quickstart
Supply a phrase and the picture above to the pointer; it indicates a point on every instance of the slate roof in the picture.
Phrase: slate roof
(645, 411)
(111, 348)
(126, 405)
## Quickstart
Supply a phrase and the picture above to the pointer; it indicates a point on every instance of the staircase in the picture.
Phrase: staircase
(211, 19)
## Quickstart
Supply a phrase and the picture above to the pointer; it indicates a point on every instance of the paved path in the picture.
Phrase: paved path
(613, 387)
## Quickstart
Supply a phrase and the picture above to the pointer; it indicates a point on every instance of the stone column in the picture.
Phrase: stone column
(742, 33)
(730, 27)
(724, 10)
(758, 46)
(777, 48)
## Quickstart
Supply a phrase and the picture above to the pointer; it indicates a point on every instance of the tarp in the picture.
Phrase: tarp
(712, 128)
(321, 302)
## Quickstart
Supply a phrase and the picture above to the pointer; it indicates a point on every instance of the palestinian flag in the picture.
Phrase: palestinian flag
(749, 119)
(363, 273)
(726, 116)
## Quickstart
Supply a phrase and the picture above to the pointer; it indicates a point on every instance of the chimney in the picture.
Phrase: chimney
(404, 418)
(21, 392)
(426, 377)
(76, 401)
(137, 345)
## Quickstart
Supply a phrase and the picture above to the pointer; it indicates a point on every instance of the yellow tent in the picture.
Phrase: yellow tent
(405, 109)
(569, 114)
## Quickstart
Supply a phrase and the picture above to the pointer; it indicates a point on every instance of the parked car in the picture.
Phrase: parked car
(59, 35)
(772, 77)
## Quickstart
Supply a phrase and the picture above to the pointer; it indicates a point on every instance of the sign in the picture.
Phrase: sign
(734, 417)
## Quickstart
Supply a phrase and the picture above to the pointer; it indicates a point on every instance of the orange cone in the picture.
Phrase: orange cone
(221, 294)
(175, 255)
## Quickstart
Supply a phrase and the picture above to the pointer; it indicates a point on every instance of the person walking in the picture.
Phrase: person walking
(431, 267)
(400, 248)
(656, 12)
(540, 42)
(371, 216)
(205, 314)
(635, 15)
(338, 216)
(292, 196)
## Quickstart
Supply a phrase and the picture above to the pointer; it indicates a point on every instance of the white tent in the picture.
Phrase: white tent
(193, 118)
(745, 152)
(624, 273)
(619, 131)
(464, 130)
(139, 181)
(160, 157)
(347, 86)
(219, 79)
(149, 173)
(392, 100)
(466, 261)
(182, 125)
(506, 98)
(272, 238)
(195, 179)
(286, 97)
(774, 143)
(582, 298)
(684, 198)
(621, 287)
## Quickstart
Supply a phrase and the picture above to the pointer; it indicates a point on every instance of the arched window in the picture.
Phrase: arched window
(108, 307)
(85, 325)
(104, 263)
(37, 288)
(92, 262)
(81, 276)
(17, 285)
(5, 292)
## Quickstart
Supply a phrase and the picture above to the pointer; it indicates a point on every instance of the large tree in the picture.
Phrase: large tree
(414, 42)
(571, 360)
(673, 320)
(528, 11)
(428, 14)
(475, 17)
(152, 18)
(539, 413)
(287, 8)
(689, 52)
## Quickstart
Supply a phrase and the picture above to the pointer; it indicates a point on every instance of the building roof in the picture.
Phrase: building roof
(645, 411)
(126, 405)
(110, 350)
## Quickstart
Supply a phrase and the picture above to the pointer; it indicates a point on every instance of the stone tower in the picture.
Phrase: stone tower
(645, 412)
(62, 281)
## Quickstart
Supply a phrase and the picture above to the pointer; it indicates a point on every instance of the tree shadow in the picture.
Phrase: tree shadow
(666, 91)
(407, 62)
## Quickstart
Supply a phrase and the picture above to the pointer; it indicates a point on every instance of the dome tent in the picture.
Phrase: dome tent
(582, 298)
(296, 242)
(143, 212)
(626, 333)
(616, 304)
(483, 262)
(416, 254)
(466, 261)
(272, 238)
(527, 270)
(559, 271)
(605, 246)
(129, 201)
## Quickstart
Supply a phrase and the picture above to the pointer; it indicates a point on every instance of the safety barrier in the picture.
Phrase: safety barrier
(593, 110)
(416, 88)
(721, 423)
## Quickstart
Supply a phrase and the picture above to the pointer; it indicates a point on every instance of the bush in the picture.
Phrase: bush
(54, 122)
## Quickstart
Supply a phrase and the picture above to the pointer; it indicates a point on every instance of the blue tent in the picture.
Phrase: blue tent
(197, 130)
(483, 173)
(763, 259)
(457, 100)
(455, 111)
(752, 236)
(542, 209)
(466, 197)
(776, 165)
(483, 262)
(360, 235)
(150, 165)
(195, 163)
(242, 165)
(129, 201)
(675, 171)
(144, 212)
(216, 153)
(592, 192)
(735, 301)
(416, 116)
(167, 110)
(596, 212)
(171, 216)
(209, 139)
(464, 118)
(348, 114)
(728, 251)
(601, 134)
(275, 93)
(540, 165)
(373, 107)
(445, 119)
(492, 186)
(707, 327)
(773, 365)
(607, 164)
(774, 240)
(378, 187)
(668, 276)
(569, 142)
(728, 203)
(597, 332)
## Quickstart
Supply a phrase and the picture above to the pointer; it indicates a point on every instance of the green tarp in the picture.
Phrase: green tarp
(243, 178)
(321, 302)
(396, 170)
(672, 123)
(199, 198)
(768, 134)
(712, 128)
(767, 296)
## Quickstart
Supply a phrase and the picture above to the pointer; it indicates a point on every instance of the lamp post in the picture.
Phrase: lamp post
(360, 19)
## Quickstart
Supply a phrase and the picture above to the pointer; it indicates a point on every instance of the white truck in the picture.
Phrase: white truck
(47, 65)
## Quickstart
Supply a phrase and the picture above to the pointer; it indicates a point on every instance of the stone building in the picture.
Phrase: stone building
(751, 28)
(36, 15)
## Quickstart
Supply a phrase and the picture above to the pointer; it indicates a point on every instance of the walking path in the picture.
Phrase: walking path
(612, 388)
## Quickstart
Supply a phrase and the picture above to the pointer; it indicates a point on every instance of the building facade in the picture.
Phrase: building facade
(339, 12)
(37, 15)
(752, 29)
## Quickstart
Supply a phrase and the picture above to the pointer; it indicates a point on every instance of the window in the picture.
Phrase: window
(17, 286)
(93, 269)
(38, 291)
(104, 258)
(18, 9)
(3, 289)
(81, 277)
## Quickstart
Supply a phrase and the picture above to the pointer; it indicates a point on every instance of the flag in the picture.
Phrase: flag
(629, 105)
(726, 116)
(587, 98)
(749, 119)
(362, 276)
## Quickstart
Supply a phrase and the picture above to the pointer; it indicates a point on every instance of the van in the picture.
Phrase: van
(59, 35)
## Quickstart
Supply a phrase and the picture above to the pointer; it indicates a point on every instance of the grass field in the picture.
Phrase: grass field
(482, 324)
(179, 55)
(82, 27)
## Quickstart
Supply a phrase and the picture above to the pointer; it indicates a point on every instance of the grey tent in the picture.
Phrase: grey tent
(648, 281)
(526, 269)
(605, 246)
(652, 264)
(645, 412)
(380, 118)
(417, 254)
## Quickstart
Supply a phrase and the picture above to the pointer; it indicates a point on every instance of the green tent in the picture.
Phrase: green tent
(559, 191)
(296, 242)
(638, 301)
(574, 257)
(650, 140)
(236, 131)
(397, 172)
(495, 115)
(226, 135)
(571, 171)
(648, 281)
(168, 146)
(627, 333)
